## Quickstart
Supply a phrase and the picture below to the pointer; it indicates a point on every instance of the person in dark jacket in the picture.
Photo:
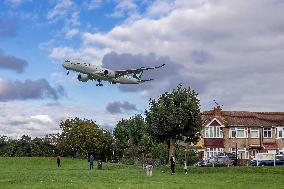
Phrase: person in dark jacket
(173, 164)
(58, 161)
(91, 161)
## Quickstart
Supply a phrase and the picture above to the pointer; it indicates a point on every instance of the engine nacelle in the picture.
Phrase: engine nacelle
(109, 73)
(83, 77)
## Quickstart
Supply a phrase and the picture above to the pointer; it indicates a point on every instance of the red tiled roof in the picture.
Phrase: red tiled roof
(241, 118)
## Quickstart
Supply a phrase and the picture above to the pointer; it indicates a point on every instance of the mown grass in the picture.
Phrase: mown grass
(42, 173)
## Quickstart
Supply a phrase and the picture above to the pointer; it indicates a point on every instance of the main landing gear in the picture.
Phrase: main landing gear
(99, 83)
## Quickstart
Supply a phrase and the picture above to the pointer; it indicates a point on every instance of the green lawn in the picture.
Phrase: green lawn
(42, 173)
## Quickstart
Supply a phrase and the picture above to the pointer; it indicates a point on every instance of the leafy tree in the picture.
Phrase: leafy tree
(175, 116)
(132, 138)
(128, 133)
(24, 146)
(42, 148)
(121, 135)
(3, 145)
(106, 145)
(85, 137)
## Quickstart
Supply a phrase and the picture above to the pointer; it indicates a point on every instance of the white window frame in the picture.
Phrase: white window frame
(233, 151)
(213, 132)
(245, 152)
(236, 129)
(265, 130)
(254, 129)
(278, 129)
(216, 131)
(233, 130)
(212, 152)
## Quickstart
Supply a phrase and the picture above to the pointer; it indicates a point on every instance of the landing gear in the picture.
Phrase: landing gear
(99, 83)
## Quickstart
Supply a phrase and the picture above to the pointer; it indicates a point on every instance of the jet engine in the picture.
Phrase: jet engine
(83, 77)
(109, 73)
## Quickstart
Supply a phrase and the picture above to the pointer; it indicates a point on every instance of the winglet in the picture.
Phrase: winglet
(160, 66)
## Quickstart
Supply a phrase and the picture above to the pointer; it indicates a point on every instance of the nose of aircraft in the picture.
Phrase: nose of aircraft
(65, 64)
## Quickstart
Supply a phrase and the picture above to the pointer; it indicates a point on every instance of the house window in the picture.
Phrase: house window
(267, 133)
(238, 132)
(254, 133)
(242, 153)
(280, 132)
(212, 152)
(213, 132)
(233, 132)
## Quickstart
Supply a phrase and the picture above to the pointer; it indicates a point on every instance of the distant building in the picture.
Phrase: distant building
(246, 133)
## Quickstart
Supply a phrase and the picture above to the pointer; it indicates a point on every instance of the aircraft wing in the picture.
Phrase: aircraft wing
(119, 73)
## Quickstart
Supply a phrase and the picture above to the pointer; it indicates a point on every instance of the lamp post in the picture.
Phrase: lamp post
(236, 154)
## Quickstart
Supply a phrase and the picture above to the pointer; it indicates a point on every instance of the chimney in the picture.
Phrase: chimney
(217, 111)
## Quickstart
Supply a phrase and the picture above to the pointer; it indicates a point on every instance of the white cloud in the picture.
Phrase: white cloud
(124, 8)
(17, 119)
(42, 118)
(160, 8)
(61, 53)
(92, 4)
(231, 51)
(60, 10)
(70, 33)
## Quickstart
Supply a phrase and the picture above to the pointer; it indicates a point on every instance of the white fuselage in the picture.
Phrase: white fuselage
(98, 73)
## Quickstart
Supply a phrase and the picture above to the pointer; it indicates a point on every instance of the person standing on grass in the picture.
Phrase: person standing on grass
(149, 167)
(91, 161)
(58, 161)
(173, 164)
(185, 167)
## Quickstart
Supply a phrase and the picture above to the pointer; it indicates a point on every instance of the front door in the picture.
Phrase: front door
(254, 152)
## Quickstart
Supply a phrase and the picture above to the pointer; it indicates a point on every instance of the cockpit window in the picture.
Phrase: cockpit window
(67, 60)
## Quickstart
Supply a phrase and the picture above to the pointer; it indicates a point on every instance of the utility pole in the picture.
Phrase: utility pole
(236, 154)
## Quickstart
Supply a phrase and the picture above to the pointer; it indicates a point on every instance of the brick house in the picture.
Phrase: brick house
(247, 133)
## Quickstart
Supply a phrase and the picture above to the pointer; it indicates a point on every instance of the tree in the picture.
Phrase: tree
(24, 146)
(42, 147)
(121, 136)
(175, 116)
(3, 145)
(84, 136)
(131, 137)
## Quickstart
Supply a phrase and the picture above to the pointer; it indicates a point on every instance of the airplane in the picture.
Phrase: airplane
(91, 72)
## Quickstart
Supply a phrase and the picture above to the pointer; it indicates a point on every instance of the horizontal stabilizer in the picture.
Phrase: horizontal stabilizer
(145, 80)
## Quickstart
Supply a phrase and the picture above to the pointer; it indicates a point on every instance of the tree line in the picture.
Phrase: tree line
(172, 117)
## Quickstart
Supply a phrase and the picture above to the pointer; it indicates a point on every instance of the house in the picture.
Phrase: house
(241, 132)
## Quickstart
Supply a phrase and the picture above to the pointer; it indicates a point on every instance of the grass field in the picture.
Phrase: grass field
(41, 173)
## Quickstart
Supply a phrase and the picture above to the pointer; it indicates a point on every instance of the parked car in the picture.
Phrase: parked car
(232, 157)
(221, 161)
(217, 161)
(279, 160)
(201, 163)
(253, 162)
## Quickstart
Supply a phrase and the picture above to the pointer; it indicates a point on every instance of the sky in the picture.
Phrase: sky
(226, 50)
